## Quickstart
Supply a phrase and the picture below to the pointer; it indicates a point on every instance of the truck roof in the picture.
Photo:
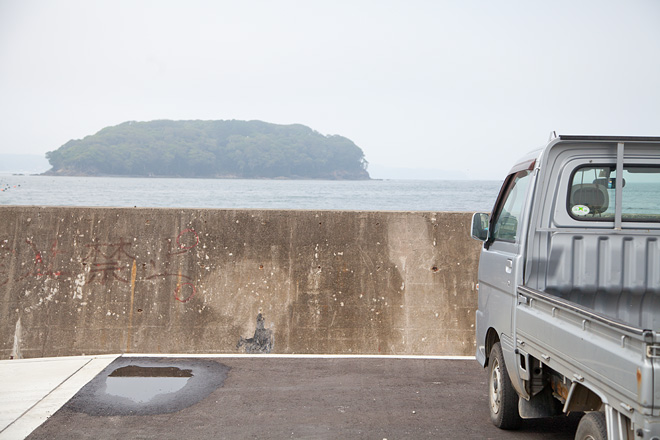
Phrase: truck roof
(571, 137)
(528, 161)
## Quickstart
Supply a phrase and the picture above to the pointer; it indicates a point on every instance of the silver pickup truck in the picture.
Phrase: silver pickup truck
(569, 288)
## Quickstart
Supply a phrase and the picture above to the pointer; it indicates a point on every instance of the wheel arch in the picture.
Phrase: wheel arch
(582, 398)
(492, 338)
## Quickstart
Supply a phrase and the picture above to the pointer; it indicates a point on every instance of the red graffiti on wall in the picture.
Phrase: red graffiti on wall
(43, 263)
(186, 240)
(183, 289)
(108, 262)
(45, 268)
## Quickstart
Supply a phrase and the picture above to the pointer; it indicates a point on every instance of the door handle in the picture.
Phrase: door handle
(509, 266)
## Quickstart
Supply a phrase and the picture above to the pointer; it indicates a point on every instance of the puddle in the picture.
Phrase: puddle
(142, 384)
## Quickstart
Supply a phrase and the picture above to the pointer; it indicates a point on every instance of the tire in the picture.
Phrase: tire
(502, 398)
(592, 427)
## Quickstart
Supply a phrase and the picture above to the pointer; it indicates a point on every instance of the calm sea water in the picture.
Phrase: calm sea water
(388, 195)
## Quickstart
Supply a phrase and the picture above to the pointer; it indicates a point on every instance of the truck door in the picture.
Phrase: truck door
(501, 263)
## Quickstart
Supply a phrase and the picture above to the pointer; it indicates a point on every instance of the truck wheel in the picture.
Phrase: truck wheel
(503, 398)
(592, 426)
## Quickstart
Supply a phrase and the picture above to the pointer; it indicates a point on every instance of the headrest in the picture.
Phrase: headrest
(595, 197)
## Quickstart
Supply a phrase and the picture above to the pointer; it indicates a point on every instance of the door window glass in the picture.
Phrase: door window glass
(510, 210)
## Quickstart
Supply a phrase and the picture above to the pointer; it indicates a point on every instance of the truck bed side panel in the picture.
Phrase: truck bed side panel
(615, 275)
(579, 347)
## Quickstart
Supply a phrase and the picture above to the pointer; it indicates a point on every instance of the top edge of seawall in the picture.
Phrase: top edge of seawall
(184, 209)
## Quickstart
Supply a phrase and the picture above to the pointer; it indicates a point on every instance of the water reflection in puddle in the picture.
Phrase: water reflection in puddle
(142, 384)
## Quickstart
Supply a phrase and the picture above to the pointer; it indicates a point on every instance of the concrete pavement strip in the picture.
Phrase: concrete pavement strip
(34, 389)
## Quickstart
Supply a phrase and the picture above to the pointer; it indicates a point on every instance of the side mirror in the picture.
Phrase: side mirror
(479, 228)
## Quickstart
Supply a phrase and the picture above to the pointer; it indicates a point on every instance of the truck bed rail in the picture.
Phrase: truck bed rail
(528, 292)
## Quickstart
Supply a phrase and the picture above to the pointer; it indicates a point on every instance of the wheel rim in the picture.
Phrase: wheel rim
(495, 387)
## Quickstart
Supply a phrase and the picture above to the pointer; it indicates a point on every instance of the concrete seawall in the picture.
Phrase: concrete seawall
(108, 280)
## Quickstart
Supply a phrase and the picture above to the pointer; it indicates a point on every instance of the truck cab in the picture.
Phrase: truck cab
(568, 315)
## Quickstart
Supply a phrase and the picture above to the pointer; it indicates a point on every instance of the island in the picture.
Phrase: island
(211, 149)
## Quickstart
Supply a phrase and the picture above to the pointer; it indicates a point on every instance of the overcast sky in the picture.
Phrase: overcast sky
(466, 86)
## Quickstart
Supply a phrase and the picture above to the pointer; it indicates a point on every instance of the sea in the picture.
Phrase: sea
(364, 195)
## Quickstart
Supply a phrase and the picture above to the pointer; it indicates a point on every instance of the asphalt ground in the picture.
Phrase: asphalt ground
(279, 398)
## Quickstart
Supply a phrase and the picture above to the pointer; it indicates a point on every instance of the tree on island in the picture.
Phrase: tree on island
(226, 149)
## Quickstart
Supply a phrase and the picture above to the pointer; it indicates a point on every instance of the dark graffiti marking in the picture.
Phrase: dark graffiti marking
(166, 274)
(185, 241)
(261, 342)
(106, 271)
(106, 262)
(183, 291)
(117, 249)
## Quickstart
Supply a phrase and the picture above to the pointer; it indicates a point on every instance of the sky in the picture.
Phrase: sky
(421, 86)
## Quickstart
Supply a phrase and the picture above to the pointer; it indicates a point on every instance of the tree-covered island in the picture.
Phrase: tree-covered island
(223, 149)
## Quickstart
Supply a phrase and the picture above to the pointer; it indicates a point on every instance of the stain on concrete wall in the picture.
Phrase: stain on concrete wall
(103, 280)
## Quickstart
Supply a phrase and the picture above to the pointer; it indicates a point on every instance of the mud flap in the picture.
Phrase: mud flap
(542, 404)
